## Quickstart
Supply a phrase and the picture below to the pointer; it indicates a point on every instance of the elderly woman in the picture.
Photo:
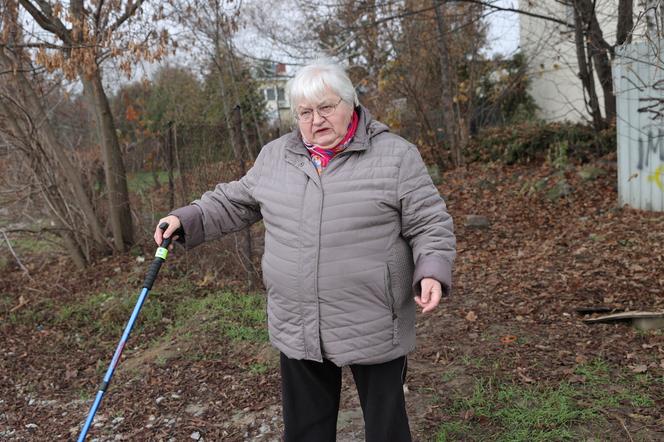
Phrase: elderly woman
(355, 235)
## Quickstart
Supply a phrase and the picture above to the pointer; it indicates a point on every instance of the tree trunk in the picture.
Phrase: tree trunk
(585, 68)
(252, 110)
(171, 166)
(236, 96)
(74, 250)
(448, 80)
(39, 162)
(598, 49)
(218, 61)
(625, 22)
(184, 190)
(116, 178)
(26, 94)
(246, 250)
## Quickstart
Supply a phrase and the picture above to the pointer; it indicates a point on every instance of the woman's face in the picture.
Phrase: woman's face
(328, 131)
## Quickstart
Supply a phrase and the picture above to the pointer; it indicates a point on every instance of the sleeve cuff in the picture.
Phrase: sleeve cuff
(191, 218)
(433, 267)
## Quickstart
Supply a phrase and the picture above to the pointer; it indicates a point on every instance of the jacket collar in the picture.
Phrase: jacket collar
(367, 128)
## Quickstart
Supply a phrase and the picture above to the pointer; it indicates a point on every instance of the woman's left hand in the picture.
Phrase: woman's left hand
(430, 296)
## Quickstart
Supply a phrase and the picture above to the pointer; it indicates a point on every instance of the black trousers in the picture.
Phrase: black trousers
(310, 400)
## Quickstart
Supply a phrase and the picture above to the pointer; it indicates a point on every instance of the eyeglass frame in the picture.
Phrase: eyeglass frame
(317, 110)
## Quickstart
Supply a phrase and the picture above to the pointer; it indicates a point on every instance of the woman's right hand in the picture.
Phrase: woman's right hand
(173, 225)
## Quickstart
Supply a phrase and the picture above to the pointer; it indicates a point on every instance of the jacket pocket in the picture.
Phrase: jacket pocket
(391, 304)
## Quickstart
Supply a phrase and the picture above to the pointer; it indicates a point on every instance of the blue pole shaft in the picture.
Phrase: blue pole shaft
(113, 364)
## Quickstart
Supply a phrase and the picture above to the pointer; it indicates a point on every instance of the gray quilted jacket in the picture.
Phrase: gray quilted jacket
(344, 252)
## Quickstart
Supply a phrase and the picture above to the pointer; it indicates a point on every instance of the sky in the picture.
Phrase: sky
(503, 35)
(504, 29)
(503, 32)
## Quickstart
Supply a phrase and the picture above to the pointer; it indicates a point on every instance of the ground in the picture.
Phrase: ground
(506, 357)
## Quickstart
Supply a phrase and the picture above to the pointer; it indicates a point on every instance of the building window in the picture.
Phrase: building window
(269, 94)
(281, 95)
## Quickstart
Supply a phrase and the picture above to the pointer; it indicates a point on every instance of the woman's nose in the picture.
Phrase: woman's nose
(317, 118)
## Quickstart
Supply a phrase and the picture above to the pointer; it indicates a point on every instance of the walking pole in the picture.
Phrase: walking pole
(160, 257)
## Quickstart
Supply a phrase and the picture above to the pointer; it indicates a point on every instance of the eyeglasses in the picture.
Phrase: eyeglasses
(307, 115)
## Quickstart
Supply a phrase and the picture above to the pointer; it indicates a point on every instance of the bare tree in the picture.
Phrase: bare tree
(76, 42)
(211, 24)
(456, 128)
(28, 128)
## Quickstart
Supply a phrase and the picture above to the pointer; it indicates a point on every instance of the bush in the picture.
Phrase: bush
(530, 141)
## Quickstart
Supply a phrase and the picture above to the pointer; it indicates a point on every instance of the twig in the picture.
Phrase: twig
(11, 249)
(41, 292)
(21, 303)
(622, 422)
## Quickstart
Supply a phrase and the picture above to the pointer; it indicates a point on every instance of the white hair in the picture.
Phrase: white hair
(310, 82)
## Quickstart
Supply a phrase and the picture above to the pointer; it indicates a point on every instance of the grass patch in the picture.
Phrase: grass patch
(605, 389)
(258, 368)
(521, 413)
(451, 431)
(108, 314)
(35, 314)
(506, 412)
(240, 317)
(32, 244)
(142, 181)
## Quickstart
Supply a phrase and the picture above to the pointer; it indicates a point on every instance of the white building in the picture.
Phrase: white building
(273, 80)
(551, 52)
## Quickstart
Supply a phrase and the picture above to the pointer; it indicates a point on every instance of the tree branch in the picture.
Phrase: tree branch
(131, 9)
(97, 15)
(11, 249)
(46, 21)
(488, 4)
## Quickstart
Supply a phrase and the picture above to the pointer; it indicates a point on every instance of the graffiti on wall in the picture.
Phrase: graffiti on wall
(639, 81)
(657, 177)
(651, 146)
(653, 107)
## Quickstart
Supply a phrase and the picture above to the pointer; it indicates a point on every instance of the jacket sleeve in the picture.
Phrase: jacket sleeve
(228, 208)
(425, 223)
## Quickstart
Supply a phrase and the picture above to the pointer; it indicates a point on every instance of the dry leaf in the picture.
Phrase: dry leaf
(581, 359)
(207, 279)
(508, 339)
(640, 417)
(471, 316)
(639, 368)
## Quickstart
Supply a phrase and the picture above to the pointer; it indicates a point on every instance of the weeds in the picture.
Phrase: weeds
(258, 368)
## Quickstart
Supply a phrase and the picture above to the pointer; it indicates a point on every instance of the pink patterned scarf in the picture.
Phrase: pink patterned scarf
(321, 157)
